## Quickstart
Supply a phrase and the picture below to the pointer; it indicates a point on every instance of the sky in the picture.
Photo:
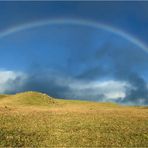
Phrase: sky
(95, 51)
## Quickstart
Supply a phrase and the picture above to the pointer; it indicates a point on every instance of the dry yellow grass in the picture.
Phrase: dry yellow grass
(68, 123)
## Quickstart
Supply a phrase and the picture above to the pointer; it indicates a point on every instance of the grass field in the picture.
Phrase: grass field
(34, 119)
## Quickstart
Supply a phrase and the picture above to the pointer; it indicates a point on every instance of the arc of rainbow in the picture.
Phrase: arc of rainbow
(96, 25)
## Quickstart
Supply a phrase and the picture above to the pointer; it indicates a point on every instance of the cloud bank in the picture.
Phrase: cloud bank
(70, 88)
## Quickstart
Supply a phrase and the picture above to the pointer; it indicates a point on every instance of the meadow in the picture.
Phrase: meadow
(33, 119)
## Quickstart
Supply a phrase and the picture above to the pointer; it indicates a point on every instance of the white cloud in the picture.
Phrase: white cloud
(109, 89)
(7, 76)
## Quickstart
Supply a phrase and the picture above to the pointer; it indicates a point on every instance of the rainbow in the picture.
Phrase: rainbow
(89, 23)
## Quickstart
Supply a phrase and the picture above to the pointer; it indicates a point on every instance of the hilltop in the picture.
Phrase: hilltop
(33, 119)
(3, 95)
(29, 98)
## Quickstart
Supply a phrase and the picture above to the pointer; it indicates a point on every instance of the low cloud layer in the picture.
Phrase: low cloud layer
(66, 87)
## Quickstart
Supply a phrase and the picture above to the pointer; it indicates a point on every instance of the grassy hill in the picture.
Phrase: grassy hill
(27, 99)
(2, 96)
(35, 119)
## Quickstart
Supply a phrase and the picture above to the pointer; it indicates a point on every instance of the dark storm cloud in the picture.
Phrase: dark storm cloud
(53, 84)
(95, 63)
(38, 81)
(128, 63)
(92, 73)
(122, 64)
(139, 93)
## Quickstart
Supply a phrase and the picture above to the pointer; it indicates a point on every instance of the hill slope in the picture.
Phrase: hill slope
(2, 96)
(27, 99)
(34, 119)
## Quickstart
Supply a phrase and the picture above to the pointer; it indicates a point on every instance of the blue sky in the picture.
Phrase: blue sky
(76, 60)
